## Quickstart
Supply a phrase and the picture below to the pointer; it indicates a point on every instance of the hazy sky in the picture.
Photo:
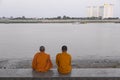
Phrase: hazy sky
(51, 8)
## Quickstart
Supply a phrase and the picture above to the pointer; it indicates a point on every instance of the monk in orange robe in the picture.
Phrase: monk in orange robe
(63, 61)
(41, 61)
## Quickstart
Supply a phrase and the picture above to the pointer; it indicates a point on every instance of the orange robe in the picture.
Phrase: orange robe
(63, 61)
(41, 62)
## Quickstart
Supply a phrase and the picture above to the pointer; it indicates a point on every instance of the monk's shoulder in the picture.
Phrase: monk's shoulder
(47, 54)
(37, 53)
(68, 54)
(58, 54)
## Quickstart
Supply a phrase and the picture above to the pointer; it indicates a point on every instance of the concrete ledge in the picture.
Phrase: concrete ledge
(76, 74)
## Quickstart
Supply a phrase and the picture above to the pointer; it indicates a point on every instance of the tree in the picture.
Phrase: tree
(59, 17)
(23, 17)
(66, 17)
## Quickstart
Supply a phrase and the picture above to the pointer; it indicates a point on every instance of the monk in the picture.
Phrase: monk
(63, 61)
(41, 61)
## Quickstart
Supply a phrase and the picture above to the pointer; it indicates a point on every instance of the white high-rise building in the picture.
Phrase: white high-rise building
(93, 11)
(101, 11)
(108, 10)
(90, 11)
(105, 11)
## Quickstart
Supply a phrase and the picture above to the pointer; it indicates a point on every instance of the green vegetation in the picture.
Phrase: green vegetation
(59, 19)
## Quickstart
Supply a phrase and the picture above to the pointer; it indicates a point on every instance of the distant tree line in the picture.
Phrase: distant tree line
(59, 18)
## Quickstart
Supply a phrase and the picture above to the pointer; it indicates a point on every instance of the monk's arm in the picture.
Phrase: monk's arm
(34, 62)
(57, 60)
(49, 61)
(70, 60)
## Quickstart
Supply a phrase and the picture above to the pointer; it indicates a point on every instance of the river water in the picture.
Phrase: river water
(23, 40)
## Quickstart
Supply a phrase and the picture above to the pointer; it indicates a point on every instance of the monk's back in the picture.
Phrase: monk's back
(64, 62)
(64, 59)
(41, 60)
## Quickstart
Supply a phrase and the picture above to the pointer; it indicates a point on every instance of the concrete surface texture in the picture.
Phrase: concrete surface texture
(76, 74)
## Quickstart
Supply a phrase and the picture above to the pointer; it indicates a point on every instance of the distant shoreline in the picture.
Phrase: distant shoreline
(74, 21)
